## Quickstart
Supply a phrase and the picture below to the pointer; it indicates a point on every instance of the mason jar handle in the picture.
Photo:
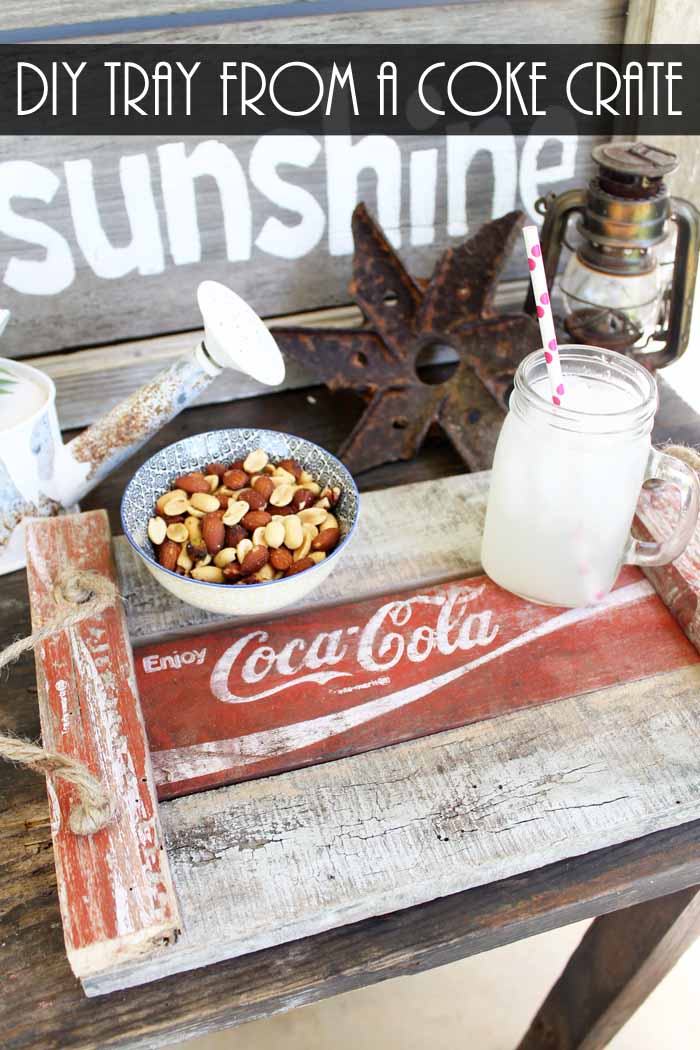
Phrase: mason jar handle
(671, 470)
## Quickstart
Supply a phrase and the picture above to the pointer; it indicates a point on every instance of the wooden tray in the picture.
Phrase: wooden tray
(559, 733)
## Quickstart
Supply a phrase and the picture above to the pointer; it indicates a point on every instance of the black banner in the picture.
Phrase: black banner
(81, 89)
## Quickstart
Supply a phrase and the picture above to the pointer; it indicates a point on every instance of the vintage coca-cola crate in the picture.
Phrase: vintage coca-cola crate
(410, 731)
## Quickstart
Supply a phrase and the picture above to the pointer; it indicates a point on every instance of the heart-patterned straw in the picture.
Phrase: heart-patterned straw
(544, 312)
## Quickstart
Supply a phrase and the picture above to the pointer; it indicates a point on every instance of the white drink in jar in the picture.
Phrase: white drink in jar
(565, 481)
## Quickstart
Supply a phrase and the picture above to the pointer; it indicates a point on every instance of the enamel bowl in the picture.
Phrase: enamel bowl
(224, 446)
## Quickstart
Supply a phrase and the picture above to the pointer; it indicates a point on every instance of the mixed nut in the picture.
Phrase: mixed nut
(248, 522)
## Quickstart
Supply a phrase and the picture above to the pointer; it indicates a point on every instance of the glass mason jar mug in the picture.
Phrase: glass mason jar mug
(566, 480)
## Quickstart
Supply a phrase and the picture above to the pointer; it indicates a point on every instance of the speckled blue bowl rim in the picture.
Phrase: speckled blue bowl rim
(233, 430)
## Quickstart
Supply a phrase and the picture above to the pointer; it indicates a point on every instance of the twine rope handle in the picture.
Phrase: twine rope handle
(79, 594)
(686, 454)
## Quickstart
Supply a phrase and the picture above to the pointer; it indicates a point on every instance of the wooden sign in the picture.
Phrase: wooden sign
(105, 239)
(115, 891)
(261, 699)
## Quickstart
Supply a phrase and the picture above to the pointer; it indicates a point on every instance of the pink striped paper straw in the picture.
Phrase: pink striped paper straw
(544, 312)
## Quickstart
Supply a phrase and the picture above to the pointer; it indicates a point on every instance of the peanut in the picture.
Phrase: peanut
(191, 483)
(255, 518)
(204, 501)
(194, 530)
(317, 556)
(176, 506)
(312, 516)
(285, 476)
(281, 559)
(178, 532)
(293, 532)
(299, 566)
(303, 498)
(213, 533)
(166, 497)
(208, 574)
(255, 559)
(156, 530)
(213, 481)
(275, 533)
(168, 553)
(255, 461)
(242, 549)
(329, 522)
(258, 536)
(184, 561)
(237, 510)
(235, 479)
(326, 540)
(263, 485)
(303, 550)
(225, 556)
(282, 495)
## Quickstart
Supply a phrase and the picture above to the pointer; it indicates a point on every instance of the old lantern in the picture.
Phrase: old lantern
(624, 286)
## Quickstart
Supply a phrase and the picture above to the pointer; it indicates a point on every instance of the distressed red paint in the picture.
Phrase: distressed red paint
(260, 699)
(114, 887)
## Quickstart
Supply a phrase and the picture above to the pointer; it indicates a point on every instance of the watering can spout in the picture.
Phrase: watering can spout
(48, 475)
(234, 337)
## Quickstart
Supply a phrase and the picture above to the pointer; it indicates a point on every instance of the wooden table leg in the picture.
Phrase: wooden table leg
(619, 962)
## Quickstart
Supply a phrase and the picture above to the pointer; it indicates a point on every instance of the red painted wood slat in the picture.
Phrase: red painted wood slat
(115, 891)
(256, 700)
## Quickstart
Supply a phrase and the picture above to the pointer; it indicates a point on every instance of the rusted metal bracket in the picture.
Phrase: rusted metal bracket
(405, 316)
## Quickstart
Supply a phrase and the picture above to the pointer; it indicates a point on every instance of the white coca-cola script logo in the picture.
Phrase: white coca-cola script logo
(397, 631)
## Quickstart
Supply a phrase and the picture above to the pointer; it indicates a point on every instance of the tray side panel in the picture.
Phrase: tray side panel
(115, 890)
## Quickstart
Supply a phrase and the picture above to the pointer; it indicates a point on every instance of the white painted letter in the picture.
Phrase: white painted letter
(144, 252)
(462, 150)
(344, 162)
(178, 172)
(534, 181)
(276, 238)
(55, 272)
(423, 188)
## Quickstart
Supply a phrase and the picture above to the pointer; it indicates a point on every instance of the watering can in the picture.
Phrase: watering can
(41, 476)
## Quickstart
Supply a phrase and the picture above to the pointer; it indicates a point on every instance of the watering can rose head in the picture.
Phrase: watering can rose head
(42, 475)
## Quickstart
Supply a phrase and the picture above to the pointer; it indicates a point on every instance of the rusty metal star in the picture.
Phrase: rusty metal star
(403, 316)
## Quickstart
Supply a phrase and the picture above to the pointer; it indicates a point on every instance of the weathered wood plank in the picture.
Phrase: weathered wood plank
(115, 891)
(93, 380)
(271, 860)
(134, 223)
(374, 673)
(42, 13)
(519, 21)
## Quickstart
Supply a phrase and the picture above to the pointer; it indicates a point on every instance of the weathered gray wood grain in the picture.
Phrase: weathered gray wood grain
(84, 309)
(92, 381)
(274, 860)
(473, 21)
(18, 14)
(396, 546)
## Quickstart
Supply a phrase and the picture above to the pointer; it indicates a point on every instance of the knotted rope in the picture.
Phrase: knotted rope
(79, 594)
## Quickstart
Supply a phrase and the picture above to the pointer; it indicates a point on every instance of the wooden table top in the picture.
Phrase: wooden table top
(43, 1007)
